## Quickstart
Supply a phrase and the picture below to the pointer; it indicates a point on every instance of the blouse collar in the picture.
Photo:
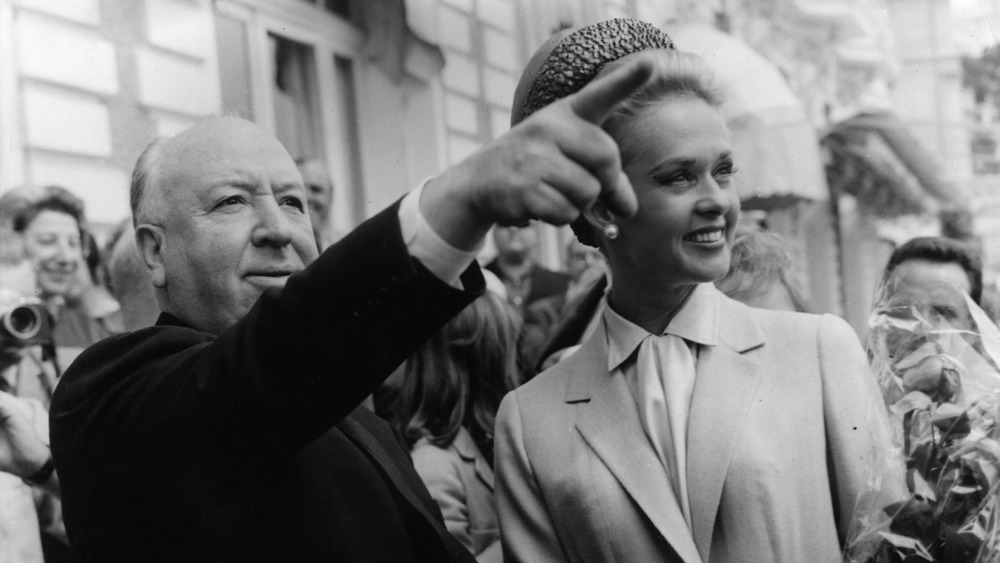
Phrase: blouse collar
(697, 321)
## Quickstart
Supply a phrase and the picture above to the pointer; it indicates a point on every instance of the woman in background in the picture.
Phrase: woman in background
(761, 274)
(54, 229)
(451, 391)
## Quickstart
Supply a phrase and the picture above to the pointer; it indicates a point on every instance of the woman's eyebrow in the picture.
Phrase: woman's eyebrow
(674, 162)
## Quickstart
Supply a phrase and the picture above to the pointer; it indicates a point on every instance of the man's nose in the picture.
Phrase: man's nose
(273, 227)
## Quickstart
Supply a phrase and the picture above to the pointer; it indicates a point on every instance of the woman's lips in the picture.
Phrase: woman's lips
(56, 275)
(707, 235)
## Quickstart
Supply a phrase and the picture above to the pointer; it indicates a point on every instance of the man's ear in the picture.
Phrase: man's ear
(598, 215)
(149, 239)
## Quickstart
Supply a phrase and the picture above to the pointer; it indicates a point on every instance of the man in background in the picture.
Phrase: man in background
(319, 194)
(939, 259)
(923, 320)
(515, 265)
(587, 271)
(128, 280)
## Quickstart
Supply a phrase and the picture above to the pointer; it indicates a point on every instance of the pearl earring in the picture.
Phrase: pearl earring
(611, 231)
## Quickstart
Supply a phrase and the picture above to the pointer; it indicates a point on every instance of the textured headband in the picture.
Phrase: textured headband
(571, 59)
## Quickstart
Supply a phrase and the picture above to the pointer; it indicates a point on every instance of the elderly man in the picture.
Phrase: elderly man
(319, 196)
(230, 430)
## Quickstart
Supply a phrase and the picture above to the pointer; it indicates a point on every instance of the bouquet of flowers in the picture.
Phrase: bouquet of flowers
(935, 354)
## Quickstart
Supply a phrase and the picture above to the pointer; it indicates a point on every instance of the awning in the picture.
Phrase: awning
(776, 147)
(390, 40)
(847, 15)
(875, 157)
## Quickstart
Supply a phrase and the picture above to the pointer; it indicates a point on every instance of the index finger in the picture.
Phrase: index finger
(595, 101)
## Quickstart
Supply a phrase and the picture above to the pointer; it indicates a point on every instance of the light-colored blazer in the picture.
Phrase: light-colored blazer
(461, 482)
(786, 426)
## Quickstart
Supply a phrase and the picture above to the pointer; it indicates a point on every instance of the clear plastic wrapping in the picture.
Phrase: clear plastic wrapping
(935, 354)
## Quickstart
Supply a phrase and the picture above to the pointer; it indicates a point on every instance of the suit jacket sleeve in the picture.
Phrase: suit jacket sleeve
(857, 425)
(526, 530)
(300, 361)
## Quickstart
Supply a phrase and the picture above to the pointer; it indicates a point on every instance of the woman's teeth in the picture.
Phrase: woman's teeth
(705, 237)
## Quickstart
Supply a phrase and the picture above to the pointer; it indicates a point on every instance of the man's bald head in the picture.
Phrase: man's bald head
(161, 154)
(145, 206)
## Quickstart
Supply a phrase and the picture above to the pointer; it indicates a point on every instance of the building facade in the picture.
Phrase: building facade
(390, 92)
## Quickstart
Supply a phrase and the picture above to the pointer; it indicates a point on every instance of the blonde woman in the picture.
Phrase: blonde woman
(689, 427)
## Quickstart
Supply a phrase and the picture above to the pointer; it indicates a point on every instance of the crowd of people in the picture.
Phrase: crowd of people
(222, 381)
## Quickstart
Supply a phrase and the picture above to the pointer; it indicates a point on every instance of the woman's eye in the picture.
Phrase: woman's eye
(678, 177)
(725, 171)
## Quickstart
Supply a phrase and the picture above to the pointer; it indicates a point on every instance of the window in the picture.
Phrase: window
(341, 8)
(293, 94)
(289, 66)
(234, 66)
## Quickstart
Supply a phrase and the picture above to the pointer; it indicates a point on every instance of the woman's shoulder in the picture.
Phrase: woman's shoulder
(810, 322)
(428, 457)
(447, 466)
(553, 379)
(805, 328)
(548, 400)
(769, 318)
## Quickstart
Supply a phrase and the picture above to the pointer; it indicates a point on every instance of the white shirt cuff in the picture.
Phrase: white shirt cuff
(442, 259)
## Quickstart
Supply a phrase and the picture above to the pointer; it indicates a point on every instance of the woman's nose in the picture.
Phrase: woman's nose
(65, 250)
(715, 199)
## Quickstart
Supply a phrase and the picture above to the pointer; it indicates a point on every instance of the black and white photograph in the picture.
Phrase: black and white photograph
(485, 281)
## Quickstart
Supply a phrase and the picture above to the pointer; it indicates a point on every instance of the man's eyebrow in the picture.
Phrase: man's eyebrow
(237, 183)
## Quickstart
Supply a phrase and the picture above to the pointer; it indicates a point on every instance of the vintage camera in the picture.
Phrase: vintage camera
(25, 323)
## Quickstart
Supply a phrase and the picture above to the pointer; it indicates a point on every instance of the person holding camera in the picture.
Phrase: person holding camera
(29, 490)
(43, 276)
(25, 464)
(51, 226)
(59, 247)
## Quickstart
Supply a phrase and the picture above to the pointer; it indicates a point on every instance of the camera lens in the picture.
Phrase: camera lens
(23, 322)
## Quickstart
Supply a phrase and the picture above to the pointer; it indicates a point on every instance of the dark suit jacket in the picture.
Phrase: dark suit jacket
(544, 283)
(575, 317)
(177, 445)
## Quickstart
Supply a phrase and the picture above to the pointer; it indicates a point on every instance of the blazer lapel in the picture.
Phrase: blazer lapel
(610, 425)
(724, 390)
(483, 471)
(468, 451)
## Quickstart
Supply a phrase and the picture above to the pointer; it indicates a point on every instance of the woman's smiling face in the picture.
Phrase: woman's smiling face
(52, 244)
(681, 168)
